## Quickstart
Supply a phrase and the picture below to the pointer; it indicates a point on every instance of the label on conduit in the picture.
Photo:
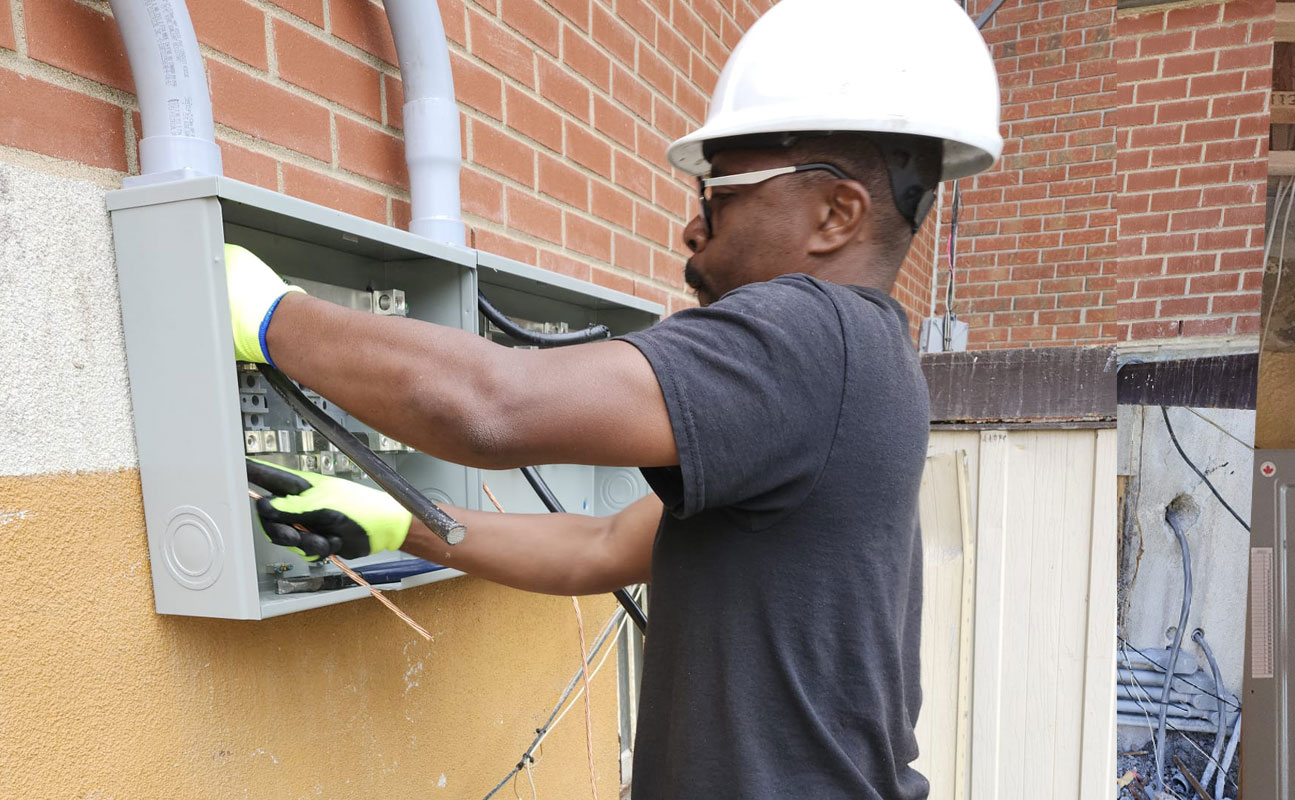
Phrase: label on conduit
(1261, 612)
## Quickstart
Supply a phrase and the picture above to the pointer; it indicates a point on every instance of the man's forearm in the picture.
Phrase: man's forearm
(421, 384)
(566, 554)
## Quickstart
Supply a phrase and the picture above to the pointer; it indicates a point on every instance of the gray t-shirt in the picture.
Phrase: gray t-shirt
(782, 650)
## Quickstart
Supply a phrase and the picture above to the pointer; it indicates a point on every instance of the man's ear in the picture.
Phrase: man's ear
(845, 211)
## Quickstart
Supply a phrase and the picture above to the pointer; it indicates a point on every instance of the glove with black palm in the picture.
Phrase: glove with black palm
(319, 515)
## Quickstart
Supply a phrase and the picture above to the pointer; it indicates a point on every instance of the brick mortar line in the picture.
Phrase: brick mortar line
(536, 191)
(652, 8)
(508, 80)
(1164, 8)
(272, 50)
(325, 35)
(332, 106)
(285, 155)
(132, 152)
(534, 94)
(19, 23)
(57, 76)
(562, 249)
(639, 38)
(108, 179)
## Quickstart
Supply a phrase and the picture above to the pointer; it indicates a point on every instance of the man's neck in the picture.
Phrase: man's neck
(866, 271)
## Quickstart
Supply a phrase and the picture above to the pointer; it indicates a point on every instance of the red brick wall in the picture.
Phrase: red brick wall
(1035, 250)
(568, 106)
(913, 285)
(1193, 146)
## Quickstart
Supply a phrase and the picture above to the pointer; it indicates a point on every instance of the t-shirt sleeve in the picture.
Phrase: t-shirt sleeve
(753, 384)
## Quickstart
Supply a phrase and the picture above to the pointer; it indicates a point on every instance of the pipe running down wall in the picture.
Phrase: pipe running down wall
(179, 136)
(431, 119)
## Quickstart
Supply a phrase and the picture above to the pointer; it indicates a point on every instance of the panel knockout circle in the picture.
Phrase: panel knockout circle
(192, 548)
(619, 490)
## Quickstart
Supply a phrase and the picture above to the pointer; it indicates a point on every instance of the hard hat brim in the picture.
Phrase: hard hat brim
(963, 156)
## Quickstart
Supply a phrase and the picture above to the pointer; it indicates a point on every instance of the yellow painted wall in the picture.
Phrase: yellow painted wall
(100, 697)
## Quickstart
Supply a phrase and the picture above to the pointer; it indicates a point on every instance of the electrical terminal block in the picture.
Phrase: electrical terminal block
(250, 381)
(252, 402)
(308, 463)
(326, 464)
(389, 302)
(259, 442)
(305, 440)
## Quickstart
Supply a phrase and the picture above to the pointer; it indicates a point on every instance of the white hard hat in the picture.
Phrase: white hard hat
(914, 67)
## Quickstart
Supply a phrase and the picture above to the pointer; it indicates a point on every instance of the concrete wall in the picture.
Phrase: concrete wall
(103, 698)
(1220, 442)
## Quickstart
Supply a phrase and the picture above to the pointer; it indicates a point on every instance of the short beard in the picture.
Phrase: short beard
(692, 277)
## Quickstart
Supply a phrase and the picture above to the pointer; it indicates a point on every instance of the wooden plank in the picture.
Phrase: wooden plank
(943, 560)
(1032, 532)
(962, 756)
(1283, 108)
(1048, 383)
(1208, 382)
(1285, 30)
(1097, 750)
(991, 577)
(1281, 163)
(1073, 522)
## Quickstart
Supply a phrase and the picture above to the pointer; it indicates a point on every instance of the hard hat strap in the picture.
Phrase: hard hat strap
(912, 178)
(913, 191)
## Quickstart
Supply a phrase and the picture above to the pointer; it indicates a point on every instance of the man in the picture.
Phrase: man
(782, 425)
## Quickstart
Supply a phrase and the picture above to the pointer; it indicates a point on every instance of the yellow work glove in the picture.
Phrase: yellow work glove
(254, 294)
(340, 517)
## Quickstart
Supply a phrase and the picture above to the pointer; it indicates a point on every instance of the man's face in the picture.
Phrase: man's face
(757, 232)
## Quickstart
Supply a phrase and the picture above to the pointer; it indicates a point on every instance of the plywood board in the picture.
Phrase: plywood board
(945, 536)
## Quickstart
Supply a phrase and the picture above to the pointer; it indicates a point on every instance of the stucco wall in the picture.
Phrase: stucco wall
(104, 698)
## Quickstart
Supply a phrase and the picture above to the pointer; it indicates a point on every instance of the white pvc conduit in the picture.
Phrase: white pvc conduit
(171, 85)
(431, 119)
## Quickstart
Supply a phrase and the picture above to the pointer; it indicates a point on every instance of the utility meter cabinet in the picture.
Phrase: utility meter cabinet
(198, 413)
(1268, 716)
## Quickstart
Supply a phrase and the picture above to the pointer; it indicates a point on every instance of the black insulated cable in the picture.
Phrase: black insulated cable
(1174, 438)
(983, 19)
(427, 512)
(501, 321)
(551, 502)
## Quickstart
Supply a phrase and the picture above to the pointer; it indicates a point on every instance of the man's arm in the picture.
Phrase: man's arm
(569, 554)
(458, 397)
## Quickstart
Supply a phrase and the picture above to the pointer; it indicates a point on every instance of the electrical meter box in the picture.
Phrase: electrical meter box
(198, 413)
(1268, 721)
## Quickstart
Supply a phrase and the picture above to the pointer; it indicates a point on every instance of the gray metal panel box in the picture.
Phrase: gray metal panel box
(532, 295)
(196, 414)
(1267, 713)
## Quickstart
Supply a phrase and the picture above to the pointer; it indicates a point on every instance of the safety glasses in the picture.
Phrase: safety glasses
(751, 178)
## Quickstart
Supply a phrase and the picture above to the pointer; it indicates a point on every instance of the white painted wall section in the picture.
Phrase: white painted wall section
(64, 400)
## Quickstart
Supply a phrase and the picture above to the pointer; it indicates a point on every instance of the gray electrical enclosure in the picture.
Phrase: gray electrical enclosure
(198, 413)
(1267, 715)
